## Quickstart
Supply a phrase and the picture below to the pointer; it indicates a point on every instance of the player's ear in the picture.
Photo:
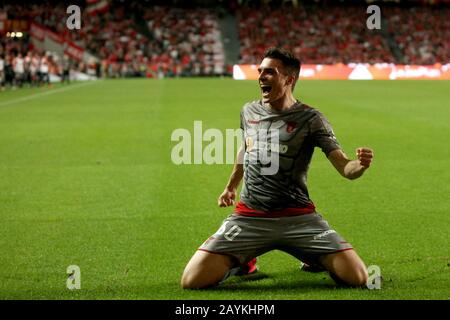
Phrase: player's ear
(290, 80)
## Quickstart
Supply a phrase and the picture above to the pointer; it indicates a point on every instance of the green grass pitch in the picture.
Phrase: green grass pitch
(86, 179)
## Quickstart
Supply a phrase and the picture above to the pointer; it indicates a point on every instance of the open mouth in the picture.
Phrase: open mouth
(266, 89)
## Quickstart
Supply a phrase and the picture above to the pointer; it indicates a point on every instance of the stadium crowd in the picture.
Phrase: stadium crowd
(110, 36)
(180, 42)
(422, 33)
(316, 35)
(332, 36)
(131, 39)
(185, 41)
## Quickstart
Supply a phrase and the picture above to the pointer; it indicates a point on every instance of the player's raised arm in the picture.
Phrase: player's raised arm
(351, 169)
(229, 194)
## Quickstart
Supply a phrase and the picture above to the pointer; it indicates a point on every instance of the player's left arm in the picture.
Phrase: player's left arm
(351, 169)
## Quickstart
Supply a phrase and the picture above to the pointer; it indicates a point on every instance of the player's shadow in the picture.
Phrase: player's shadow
(304, 281)
(252, 277)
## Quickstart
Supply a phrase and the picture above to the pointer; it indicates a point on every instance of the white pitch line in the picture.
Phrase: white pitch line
(46, 93)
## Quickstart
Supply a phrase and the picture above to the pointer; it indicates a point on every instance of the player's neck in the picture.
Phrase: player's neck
(284, 103)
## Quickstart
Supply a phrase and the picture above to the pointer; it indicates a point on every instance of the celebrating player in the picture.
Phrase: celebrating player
(274, 210)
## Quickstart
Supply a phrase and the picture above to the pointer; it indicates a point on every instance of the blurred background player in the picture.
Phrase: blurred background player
(9, 71)
(27, 67)
(44, 70)
(2, 72)
(34, 69)
(19, 70)
(65, 78)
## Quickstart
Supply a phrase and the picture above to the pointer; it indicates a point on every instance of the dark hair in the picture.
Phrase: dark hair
(290, 62)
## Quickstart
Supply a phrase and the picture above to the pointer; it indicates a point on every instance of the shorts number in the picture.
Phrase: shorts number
(222, 228)
(230, 234)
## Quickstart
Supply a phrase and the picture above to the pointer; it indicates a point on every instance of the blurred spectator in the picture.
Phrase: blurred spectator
(186, 42)
(316, 35)
(66, 66)
(2, 72)
(422, 33)
(19, 69)
(131, 39)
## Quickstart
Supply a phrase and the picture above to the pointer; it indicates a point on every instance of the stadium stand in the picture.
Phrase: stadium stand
(110, 36)
(186, 42)
(331, 34)
(316, 35)
(149, 39)
(422, 33)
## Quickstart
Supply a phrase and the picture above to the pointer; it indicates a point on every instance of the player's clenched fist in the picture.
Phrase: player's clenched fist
(365, 156)
(227, 198)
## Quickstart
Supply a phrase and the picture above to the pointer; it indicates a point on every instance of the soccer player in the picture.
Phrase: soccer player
(2, 72)
(66, 64)
(275, 211)
(44, 69)
(19, 70)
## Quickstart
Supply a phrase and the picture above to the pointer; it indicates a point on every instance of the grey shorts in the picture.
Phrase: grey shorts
(306, 237)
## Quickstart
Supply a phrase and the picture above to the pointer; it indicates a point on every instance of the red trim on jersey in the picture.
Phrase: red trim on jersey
(243, 210)
(337, 251)
(230, 255)
(214, 252)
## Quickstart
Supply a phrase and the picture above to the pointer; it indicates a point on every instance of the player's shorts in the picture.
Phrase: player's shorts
(306, 237)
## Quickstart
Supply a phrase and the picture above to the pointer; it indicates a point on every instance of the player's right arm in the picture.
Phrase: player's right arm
(351, 169)
(229, 194)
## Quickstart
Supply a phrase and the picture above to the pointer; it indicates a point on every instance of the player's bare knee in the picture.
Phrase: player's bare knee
(188, 281)
(360, 274)
(198, 280)
(205, 270)
(357, 278)
(188, 284)
(197, 284)
(352, 277)
(361, 277)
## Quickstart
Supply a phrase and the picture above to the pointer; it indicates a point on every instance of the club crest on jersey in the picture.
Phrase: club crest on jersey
(291, 126)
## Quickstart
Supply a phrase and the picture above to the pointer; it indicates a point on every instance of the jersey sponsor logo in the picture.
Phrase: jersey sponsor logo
(262, 145)
(290, 126)
(324, 234)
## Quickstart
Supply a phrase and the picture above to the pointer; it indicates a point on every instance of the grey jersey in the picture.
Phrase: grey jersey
(300, 129)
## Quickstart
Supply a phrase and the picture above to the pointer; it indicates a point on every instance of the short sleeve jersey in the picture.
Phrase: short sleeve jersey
(300, 129)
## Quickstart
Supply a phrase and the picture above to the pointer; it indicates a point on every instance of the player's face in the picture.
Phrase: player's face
(273, 81)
